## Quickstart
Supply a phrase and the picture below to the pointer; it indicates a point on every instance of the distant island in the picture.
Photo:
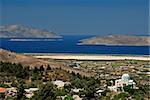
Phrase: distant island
(117, 40)
(20, 31)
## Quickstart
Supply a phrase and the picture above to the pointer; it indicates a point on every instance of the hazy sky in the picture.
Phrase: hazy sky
(93, 17)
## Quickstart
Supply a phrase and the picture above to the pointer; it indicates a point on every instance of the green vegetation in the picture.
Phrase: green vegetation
(46, 92)
(68, 97)
(121, 96)
(20, 90)
(16, 70)
(2, 96)
(24, 77)
(117, 64)
(4, 85)
(21, 75)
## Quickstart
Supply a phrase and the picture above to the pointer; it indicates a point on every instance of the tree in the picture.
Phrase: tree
(77, 83)
(14, 84)
(4, 85)
(14, 70)
(89, 91)
(46, 92)
(20, 90)
(48, 67)
(60, 92)
(22, 74)
(121, 96)
(68, 98)
(41, 68)
(73, 73)
(2, 96)
(79, 76)
(35, 70)
(138, 95)
(128, 89)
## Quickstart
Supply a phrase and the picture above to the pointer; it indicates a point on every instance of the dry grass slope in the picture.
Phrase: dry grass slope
(8, 56)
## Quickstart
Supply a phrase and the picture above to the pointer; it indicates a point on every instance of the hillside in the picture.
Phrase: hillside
(117, 40)
(8, 56)
(19, 31)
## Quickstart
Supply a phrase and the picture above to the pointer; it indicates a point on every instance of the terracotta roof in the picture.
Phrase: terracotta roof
(2, 90)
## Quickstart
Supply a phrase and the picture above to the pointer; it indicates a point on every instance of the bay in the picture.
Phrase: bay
(67, 45)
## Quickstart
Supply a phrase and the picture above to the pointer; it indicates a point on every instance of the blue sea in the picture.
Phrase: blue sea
(68, 44)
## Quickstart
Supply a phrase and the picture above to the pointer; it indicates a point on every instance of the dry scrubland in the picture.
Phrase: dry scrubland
(31, 61)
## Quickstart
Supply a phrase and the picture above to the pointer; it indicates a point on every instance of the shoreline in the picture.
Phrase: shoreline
(107, 44)
(82, 54)
(95, 57)
(38, 39)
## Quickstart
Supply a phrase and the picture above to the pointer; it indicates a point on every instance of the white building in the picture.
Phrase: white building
(30, 92)
(76, 97)
(60, 84)
(76, 90)
(99, 92)
(124, 81)
(11, 91)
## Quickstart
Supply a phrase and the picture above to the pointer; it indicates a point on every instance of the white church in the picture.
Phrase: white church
(120, 83)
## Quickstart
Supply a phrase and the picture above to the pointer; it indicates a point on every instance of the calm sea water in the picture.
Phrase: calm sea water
(69, 45)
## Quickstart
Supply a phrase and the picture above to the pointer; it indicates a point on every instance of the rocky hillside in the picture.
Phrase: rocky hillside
(117, 40)
(8, 56)
(19, 31)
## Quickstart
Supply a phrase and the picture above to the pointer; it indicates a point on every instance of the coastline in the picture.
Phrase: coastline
(95, 57)
(38, 39)
(107, 44)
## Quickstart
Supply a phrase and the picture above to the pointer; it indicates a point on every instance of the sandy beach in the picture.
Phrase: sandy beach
(92, 57)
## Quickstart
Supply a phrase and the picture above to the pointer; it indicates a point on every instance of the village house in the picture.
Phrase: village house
(11, 91)
(76, 90)
(30, 92)
(76, 97)
(99, 92)
(2, 90)
(60, 84)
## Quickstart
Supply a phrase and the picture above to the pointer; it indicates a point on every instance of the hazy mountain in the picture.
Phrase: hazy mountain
(19, 31)
(117, 40)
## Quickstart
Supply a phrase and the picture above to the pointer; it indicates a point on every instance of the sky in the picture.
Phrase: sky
(79, 17)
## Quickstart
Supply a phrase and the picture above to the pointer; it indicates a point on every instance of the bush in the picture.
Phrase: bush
(4, 85)
(121, 96)
(68, 98)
